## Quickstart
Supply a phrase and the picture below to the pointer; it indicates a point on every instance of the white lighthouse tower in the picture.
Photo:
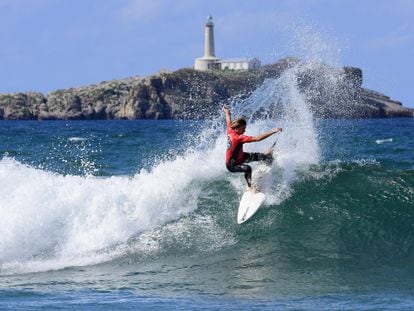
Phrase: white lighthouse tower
(209, 61)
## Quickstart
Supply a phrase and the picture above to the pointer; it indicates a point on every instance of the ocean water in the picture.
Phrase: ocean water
(103, 215)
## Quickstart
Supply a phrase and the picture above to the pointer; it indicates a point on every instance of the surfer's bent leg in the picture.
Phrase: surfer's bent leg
(243, 168)
(256, 156)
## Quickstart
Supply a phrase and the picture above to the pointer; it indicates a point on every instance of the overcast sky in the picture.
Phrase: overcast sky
(54, 44)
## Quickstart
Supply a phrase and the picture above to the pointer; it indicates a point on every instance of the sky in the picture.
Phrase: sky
(47, 45)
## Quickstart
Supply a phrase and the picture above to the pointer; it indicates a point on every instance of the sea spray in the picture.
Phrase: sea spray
(82, 220)
(279, 103)
(59, 220)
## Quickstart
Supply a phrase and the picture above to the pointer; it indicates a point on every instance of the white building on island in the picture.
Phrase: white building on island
(240, 64)
(210, 62)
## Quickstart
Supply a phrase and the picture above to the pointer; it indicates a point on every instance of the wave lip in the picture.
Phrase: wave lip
(69, 220)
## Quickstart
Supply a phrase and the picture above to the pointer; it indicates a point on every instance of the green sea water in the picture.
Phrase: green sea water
(142, 214)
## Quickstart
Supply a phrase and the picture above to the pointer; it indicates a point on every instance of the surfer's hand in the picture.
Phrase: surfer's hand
(277, 130)
(226, 108)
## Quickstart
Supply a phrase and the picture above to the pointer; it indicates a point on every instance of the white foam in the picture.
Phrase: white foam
(382, 141)
(50, 221)
(77, 139)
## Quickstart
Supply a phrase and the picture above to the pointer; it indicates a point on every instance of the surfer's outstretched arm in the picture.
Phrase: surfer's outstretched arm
(266, 135)
(228, 115)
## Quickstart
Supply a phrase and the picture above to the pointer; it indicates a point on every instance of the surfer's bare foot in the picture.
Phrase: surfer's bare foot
(252, 189)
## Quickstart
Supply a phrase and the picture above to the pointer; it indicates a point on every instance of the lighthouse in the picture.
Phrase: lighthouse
(209, 38)
(209, 60)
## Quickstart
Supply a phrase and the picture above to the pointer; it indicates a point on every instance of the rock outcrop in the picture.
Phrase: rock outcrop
(190, 94)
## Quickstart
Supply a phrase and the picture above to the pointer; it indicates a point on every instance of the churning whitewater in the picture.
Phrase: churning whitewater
(52, 220)
(145, 209)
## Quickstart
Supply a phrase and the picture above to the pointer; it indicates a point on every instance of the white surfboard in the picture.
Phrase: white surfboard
(249, 204)
(252, 201)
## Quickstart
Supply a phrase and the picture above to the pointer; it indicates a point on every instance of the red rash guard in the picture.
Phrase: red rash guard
(235, 146)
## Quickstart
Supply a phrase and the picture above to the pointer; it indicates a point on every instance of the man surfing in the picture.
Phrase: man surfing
(235, 157)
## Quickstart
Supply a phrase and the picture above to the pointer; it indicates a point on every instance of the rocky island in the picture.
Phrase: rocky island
(189, 94)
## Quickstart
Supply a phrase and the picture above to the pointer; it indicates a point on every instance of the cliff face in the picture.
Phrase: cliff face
(189, 94)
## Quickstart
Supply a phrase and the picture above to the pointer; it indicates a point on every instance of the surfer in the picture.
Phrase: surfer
(235, 157)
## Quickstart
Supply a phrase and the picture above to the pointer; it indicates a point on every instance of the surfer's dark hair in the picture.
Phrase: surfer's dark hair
(239, 122)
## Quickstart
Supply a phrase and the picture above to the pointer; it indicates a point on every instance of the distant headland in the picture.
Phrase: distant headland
(198, 93)
(191, 94)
